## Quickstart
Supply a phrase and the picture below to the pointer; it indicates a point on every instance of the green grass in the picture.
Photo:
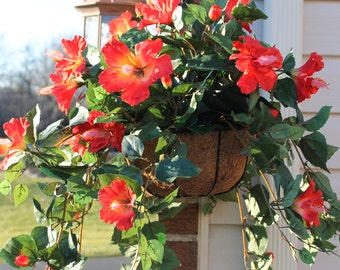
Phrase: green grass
(15, 220)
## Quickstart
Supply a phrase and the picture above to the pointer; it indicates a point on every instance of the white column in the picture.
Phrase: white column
(284, 26)
(284, 29)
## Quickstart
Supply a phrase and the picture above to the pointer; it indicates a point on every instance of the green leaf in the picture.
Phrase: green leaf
(16, 165)
(19, 245)
(182, 89)
(170, 260)
(207, 62)
(297, 225)
(196, 97)
(292, 191)
(132, 147)
(199, 12)
(224, 41)
(78, 115)
(319, 120)
(285, 131)
(39, 213)
(315, 149)
(149, 132)
(20, 194)
(155, 250)
(33, 117)
(49, 130)
(257, 239)
(156, 230)
(40, 236)
(285, 92)
(163, 203)
(5, 187)
(322, 182)
(248, 14)
(172, 210)
(264, 151)
(167, 170)
(83, 197)
(288, 62)
(306, 256)
(177, 18)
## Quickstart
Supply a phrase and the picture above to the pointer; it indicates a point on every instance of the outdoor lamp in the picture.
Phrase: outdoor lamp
(98, 13)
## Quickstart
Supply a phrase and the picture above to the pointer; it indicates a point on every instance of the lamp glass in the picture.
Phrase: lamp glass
(91, 29)
(105, 31)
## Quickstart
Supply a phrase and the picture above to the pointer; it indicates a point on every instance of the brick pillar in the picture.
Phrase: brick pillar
(182, 233)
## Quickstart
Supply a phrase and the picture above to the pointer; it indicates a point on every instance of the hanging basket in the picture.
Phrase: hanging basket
(217, 153)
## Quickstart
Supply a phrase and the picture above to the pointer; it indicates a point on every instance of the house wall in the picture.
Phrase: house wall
(321, 33)
(305, 26)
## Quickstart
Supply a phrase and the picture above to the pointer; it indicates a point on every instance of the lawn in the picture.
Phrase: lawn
(20, 219)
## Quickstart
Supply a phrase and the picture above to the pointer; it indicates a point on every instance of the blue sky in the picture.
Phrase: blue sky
(39, 21)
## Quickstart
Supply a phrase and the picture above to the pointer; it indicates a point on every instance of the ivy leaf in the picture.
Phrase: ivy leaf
(285, 92)
(149, 132)
(322, 182)
(288, 62)
(292, 191)
(19, 245)
(155, 250)
(257, 239)
(224, 41)
(33, 117)
(306, 256)
(39, 212)
(296, 224)
(170, 260)
(5, 187)
(285, 131)
(318, 120)
(199, 12)
(163, 203)
(207, 62)
(248, 14)
(315, 149)
(40, 237)
(20, 194)
(155, 229)
(132, 147)
(169, 169)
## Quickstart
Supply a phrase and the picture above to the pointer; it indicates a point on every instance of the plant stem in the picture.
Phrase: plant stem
(268, 186)
(81, 230)
(244, 242)
(63, 219)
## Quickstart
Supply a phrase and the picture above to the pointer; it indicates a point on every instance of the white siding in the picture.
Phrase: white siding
(321, 34)
(306, 26)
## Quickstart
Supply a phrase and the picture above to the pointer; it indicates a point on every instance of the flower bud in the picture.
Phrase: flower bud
(22, 260)
(166, 81)
(215, 12)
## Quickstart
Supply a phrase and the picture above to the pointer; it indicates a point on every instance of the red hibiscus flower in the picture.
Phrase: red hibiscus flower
(22, 260)
(156, 12)
(63, 90)
(96, 136)
(133, 74)
(117, 201)
(67, 70)
(15, 130)
(305, 84)
(309, 205)
(122, 24)
(257, 64)
(74, 64)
